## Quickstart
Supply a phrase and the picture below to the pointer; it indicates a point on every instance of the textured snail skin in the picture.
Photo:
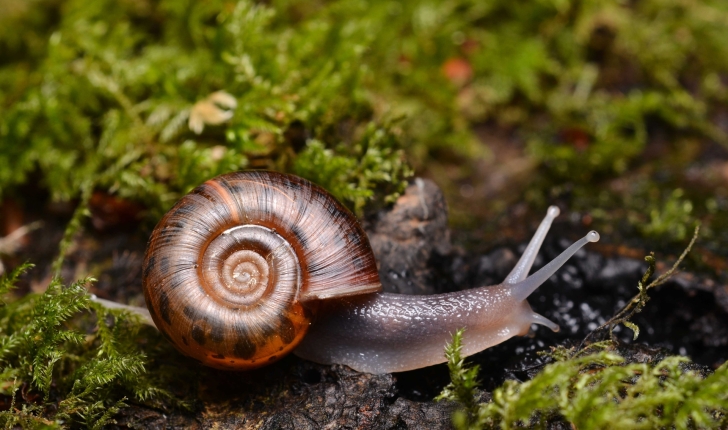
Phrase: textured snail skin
(386, 333)
(247, 229)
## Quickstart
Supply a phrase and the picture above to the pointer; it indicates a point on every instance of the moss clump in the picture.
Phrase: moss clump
(373, 164)
(594, 391)
(55, 374)
(118, 95)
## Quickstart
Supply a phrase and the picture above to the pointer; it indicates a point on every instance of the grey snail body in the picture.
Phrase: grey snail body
(252, 265)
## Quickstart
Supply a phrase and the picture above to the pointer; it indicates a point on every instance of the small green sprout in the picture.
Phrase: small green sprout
(463, 384)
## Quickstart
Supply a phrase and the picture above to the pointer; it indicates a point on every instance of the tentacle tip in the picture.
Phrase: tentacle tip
(592, 236)
(542, 320)
(553, 211)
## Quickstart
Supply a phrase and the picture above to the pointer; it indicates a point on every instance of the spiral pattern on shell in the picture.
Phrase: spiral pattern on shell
(232, 273)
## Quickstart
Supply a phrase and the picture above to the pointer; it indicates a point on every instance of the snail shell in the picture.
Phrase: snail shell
(233, 271)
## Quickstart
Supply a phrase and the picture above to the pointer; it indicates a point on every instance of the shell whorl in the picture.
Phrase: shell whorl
(231, 272)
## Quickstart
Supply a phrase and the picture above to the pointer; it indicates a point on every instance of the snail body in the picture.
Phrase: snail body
(253, 265)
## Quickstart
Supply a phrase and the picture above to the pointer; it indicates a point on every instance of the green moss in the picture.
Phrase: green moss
(109, 96)
(601, 116)
(595, 391)
(671, 218)
(374, 164)
(61, 365)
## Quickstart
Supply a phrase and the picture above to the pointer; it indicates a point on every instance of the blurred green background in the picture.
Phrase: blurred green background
(615, 110)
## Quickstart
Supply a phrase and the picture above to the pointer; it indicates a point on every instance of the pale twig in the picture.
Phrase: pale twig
(10, 243)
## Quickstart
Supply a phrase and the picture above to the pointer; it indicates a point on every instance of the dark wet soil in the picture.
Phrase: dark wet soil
(686, 316)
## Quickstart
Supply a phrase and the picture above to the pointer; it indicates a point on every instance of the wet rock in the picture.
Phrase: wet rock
(618, 271)
(299, 396)
(492, 268)
(410, 237)
(139, 417)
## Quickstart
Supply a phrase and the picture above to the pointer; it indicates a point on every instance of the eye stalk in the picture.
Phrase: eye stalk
(523, 289)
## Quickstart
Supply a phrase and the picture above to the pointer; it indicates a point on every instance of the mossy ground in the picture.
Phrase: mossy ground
(615, 111)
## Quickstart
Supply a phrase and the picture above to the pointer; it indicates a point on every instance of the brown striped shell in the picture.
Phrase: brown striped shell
(233, 271)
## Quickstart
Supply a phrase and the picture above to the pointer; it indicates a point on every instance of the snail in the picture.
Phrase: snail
(253, 265)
